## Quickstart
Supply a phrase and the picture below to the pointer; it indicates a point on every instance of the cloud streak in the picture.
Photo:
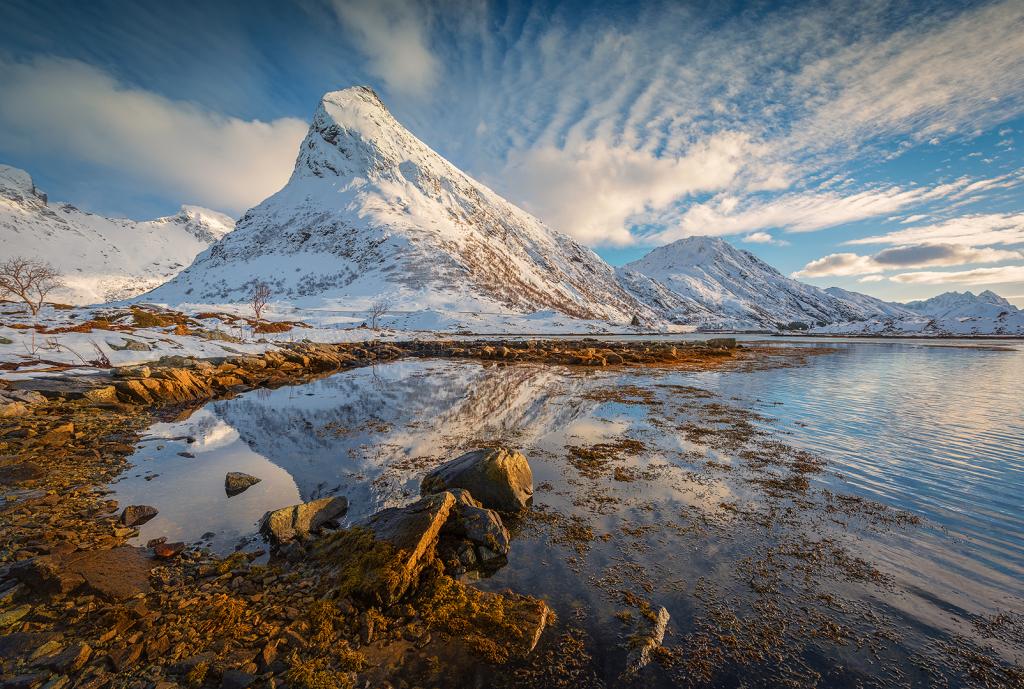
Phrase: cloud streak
(393, 34)
(919, 256)
(977, 276)
(69, 109)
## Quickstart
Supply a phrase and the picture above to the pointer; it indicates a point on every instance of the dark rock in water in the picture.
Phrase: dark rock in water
(650, 632)
(236, 482)
(281, 526)
(115, 574)
(134, 515)
(499, 478)
(483, 528)
(166, 551)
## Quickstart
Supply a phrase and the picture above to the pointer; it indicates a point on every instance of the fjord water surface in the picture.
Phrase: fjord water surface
(933, 434)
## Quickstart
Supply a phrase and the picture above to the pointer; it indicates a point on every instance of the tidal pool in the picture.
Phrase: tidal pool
(855, 520)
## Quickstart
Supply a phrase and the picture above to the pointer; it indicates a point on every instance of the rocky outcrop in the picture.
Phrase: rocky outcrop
(413, 533)
(236, 482)
(283, 525)
(499, 478)
(586, 352)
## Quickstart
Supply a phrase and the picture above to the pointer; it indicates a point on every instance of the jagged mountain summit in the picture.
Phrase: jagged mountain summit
(947, 314)
(705, 281)
(950, 304)
(101, 259)
(370, 211)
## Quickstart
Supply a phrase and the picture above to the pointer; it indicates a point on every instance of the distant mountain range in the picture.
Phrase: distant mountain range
(101, 259)
(370, 213)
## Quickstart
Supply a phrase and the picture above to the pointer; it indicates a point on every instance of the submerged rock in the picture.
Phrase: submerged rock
(236, 482)
(650, 632)
(499, 478)
(287, 523)
(134, 515)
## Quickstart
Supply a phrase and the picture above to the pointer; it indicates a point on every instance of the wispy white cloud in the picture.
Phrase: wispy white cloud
(394, 36)
(976, 276)
(982, 229)
(831, 96)
(78, 112)
(592, 191)
(918, 256)
(763, 238)
(800, 212)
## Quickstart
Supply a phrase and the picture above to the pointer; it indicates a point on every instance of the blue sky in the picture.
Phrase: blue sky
(871, 145)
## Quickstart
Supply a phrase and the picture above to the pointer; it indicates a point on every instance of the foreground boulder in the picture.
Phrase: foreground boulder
(382, 558)
(283, 525)
(236, 482)
(499, 478)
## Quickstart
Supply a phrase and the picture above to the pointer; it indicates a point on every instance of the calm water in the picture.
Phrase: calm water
(936, 432)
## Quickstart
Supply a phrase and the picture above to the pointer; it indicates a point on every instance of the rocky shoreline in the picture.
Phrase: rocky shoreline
(79, 607)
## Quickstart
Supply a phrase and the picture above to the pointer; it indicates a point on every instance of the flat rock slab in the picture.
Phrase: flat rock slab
(413, 529)
(501, 479)
(117, 574)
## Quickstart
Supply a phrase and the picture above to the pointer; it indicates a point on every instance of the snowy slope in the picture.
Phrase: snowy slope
(871, 306)
(101, 259)
(714, 285)
(370, 211)
(951, 313)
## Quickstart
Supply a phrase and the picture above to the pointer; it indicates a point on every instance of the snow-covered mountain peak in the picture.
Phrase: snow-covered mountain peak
(17, 185)
(202, 223)
(372, 212)
(720, 286)
(948, 302)
(100, 258)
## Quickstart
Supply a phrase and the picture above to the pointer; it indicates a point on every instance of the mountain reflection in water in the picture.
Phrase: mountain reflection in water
(934, 433)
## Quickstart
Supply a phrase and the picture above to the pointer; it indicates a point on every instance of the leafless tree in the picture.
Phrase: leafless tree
(28, 279)
(378, 309)
(258, 298)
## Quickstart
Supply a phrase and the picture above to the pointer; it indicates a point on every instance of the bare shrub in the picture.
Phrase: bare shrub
(378, 309)
(258, 298)
(28, 279)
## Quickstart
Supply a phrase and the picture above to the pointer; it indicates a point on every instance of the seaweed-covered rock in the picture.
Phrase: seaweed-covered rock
(650, 632)
(287, 523)
(499, 478)
(414, 530)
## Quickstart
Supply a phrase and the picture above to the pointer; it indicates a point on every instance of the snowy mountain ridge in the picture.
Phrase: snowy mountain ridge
(947, 314)
(101, 259)
(706, 281)
(371, 212)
